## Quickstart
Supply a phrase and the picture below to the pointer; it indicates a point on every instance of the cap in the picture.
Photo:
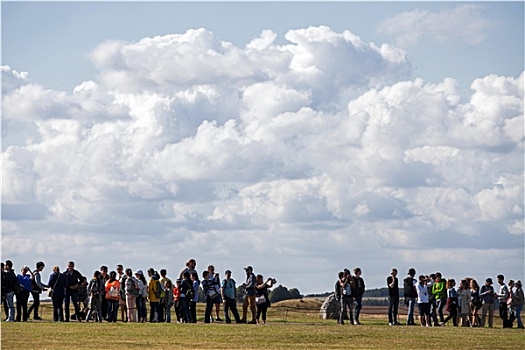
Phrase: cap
(489, 280)
(248, 268)
(518, 282)
(139, 272)
(227, 271)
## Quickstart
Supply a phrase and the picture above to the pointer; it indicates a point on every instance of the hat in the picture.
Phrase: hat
(489, 280)
(518, 283)
(139, 272)
(227, 271)
(248, 268)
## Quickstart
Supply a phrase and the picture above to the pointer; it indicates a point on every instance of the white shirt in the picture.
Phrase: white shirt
(422, 293)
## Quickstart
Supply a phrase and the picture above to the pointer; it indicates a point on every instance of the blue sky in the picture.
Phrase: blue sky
(297, 137)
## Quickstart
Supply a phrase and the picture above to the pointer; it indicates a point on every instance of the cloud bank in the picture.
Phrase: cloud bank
(299, 159)
(463, 24)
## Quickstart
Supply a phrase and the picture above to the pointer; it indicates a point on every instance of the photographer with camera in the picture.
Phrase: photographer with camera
(345, 296)
(261, 296)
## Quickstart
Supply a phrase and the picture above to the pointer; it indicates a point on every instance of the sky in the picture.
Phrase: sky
(300, 138)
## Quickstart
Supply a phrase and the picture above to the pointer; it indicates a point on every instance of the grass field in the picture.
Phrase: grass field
(292, 325)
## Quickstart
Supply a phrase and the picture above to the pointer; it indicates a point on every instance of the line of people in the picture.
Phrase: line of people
(100, 298)
(433, 294)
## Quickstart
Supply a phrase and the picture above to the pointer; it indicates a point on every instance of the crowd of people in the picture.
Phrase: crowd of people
(433, 294)
(100, 297)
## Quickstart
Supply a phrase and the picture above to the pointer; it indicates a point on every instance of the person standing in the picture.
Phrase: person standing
(154, 290)
(439, 289)
(57, 283)
(132, 291)
(104, 277)
(486, 293)
(25, 279)
(95, 289)
(209, 294)
(121, 276)
(464, 302)
(192, 304)
(186, 295)
(452, 303)
(12, 286)
(216, 285)
(249, 296)
(410, 294)
(73, 280)
(503, 295)
(358, 292)
(423, 301)
(37, 288)
(261, 296)
(518, 300)
(162, 301)
(476, 303)
(346, 298)
(112, 288)
(229, 297)
(393, 298)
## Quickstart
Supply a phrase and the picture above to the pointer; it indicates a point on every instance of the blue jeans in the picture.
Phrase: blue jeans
(518, 315)
(346, 308)
(410, 316)
(168, 312)
(10, 299)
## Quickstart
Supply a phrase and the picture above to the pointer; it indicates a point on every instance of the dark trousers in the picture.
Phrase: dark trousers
(185, 311)
(207, 312)
(440, 305)
(503, 312)
(104, 307)
(393, 305)
(161, 311)
(192, 312)
(71, 297)
(358, 306)
(230, 304)
(452, 314)
(21, 305)
(36, 304)
(112, 307)
(58, 311)
(154, 308)
(261, 311)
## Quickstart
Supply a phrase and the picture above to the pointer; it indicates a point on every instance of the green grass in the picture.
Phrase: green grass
(295, 329)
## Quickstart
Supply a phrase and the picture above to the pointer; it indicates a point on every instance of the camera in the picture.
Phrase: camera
(273, 280)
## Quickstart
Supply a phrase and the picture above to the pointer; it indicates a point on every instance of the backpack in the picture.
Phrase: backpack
(158, 290)
(408, 288)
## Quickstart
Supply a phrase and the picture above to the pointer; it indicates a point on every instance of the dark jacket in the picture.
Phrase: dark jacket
(60, 280)
(11, 282)
(73, 280)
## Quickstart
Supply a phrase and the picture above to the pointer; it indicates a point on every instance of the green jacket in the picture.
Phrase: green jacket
(439, 289)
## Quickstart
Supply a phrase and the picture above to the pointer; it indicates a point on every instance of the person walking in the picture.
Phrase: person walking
(37, 288)
(229, 297)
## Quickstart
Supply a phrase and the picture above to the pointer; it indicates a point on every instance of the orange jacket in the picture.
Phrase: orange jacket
(116, 287)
